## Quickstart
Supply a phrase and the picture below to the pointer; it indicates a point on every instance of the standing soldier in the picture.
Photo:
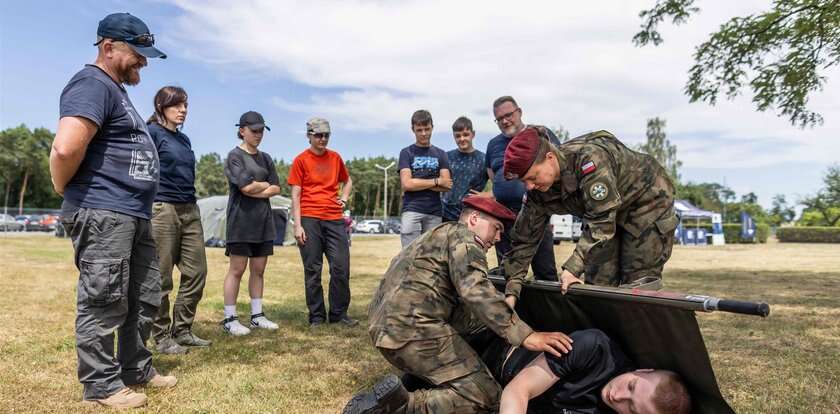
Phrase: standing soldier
(433, 292)
(625, 198)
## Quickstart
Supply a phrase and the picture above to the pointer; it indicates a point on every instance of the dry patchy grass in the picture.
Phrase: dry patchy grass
(782, 364)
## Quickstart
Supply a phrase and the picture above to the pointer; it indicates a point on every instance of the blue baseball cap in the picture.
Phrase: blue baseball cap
(131, 30)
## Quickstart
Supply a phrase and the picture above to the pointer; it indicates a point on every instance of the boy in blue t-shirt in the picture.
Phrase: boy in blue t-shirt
(424, 174)
(467, 167)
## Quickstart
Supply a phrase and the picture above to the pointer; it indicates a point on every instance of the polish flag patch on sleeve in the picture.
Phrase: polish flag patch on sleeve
(588, 167)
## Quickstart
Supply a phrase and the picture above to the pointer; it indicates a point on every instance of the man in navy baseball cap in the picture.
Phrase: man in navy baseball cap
(126, 28)
(105, 165)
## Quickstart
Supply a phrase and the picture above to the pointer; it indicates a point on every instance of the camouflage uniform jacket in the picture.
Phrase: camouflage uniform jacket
(435, 278)
(604, 183)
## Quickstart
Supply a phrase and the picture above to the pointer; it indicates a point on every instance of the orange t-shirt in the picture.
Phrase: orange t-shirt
(318, 177)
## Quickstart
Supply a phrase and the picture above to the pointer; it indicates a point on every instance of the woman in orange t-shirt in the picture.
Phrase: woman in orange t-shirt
(319, 224)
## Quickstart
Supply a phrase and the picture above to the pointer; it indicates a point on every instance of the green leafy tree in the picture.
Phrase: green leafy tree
(368, 186)
(33, 151)
(827, 201)
(660, 148)
(283, 168)
(781, 54)
(780, 212)
(9, 161)
(708, 196)
(749, 198)
(210, 176)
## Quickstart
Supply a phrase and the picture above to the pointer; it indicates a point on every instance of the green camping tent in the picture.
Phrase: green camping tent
(214, 217)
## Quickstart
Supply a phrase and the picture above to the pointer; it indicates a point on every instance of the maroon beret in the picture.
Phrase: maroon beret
(521, 153)
(489, 206)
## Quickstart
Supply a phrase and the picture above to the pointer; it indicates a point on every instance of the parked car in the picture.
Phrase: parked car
(49, 222)
(9, 223)
(34, 223)
(24, 219)
(393, 226)
(370, 226)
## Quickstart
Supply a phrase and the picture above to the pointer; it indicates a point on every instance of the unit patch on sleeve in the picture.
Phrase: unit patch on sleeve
(588, 167)
(598, 191)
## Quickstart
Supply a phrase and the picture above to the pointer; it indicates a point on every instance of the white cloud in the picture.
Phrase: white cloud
(373, 63)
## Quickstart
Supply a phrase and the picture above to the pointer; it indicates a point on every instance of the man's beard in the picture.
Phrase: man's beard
(130, 75)
(510, 131)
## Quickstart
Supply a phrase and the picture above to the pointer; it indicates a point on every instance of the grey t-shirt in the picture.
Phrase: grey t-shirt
(120, 169)
(249, 219)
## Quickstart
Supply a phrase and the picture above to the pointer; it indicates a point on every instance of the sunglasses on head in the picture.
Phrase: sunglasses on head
(145, 40)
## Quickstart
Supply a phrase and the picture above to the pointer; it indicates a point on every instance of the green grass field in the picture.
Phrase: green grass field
(786, 363)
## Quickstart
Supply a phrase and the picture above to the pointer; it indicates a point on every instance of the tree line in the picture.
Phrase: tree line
(25, 180)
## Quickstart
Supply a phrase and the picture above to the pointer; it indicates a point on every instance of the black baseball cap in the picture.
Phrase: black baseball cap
(252, 120)
(131, 30)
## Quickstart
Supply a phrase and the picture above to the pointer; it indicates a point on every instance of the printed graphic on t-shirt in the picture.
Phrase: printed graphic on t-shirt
(425, 167)
(143, 166)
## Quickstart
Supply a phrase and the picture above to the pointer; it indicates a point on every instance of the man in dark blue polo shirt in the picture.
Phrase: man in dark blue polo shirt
(508, 117)
(106, 167)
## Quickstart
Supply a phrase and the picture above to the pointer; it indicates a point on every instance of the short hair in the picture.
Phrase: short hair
(671, 395)
(502, 99)
(461, 124)
(421, 117)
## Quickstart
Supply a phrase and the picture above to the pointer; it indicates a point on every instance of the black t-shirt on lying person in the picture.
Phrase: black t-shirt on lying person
(249, 219)
(593, 361)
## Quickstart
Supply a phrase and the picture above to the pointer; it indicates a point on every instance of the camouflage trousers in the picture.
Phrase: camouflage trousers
(626, 258)
(462, 383)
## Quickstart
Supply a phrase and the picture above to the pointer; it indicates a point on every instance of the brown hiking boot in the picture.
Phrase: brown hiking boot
(162, 381)
(122, 399)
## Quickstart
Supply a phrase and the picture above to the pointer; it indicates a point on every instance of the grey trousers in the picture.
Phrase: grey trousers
(413, 224)
(118, 292)
(179, 238)
(326, 238)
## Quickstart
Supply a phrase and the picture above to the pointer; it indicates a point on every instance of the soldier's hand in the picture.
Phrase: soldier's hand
(555, 343)
(567, 279)
(511, 301)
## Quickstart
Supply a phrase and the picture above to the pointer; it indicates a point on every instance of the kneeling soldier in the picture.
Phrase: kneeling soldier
(625, 199)
(434, 291)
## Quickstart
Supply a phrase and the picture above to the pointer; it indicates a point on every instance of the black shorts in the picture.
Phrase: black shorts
(250, 249)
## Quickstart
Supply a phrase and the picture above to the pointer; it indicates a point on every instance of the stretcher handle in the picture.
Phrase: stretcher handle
(746, 308)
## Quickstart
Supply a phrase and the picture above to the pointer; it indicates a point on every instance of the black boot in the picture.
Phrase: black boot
(388, 396)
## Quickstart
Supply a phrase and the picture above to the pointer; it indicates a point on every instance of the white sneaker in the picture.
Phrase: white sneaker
(232, 326)
(260, 321)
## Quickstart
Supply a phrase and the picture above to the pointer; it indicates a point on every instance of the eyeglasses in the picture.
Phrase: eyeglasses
(320, 135)
(507, 116)
(145, 40)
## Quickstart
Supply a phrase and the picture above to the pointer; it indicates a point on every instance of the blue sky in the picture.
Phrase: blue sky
(366, 65)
